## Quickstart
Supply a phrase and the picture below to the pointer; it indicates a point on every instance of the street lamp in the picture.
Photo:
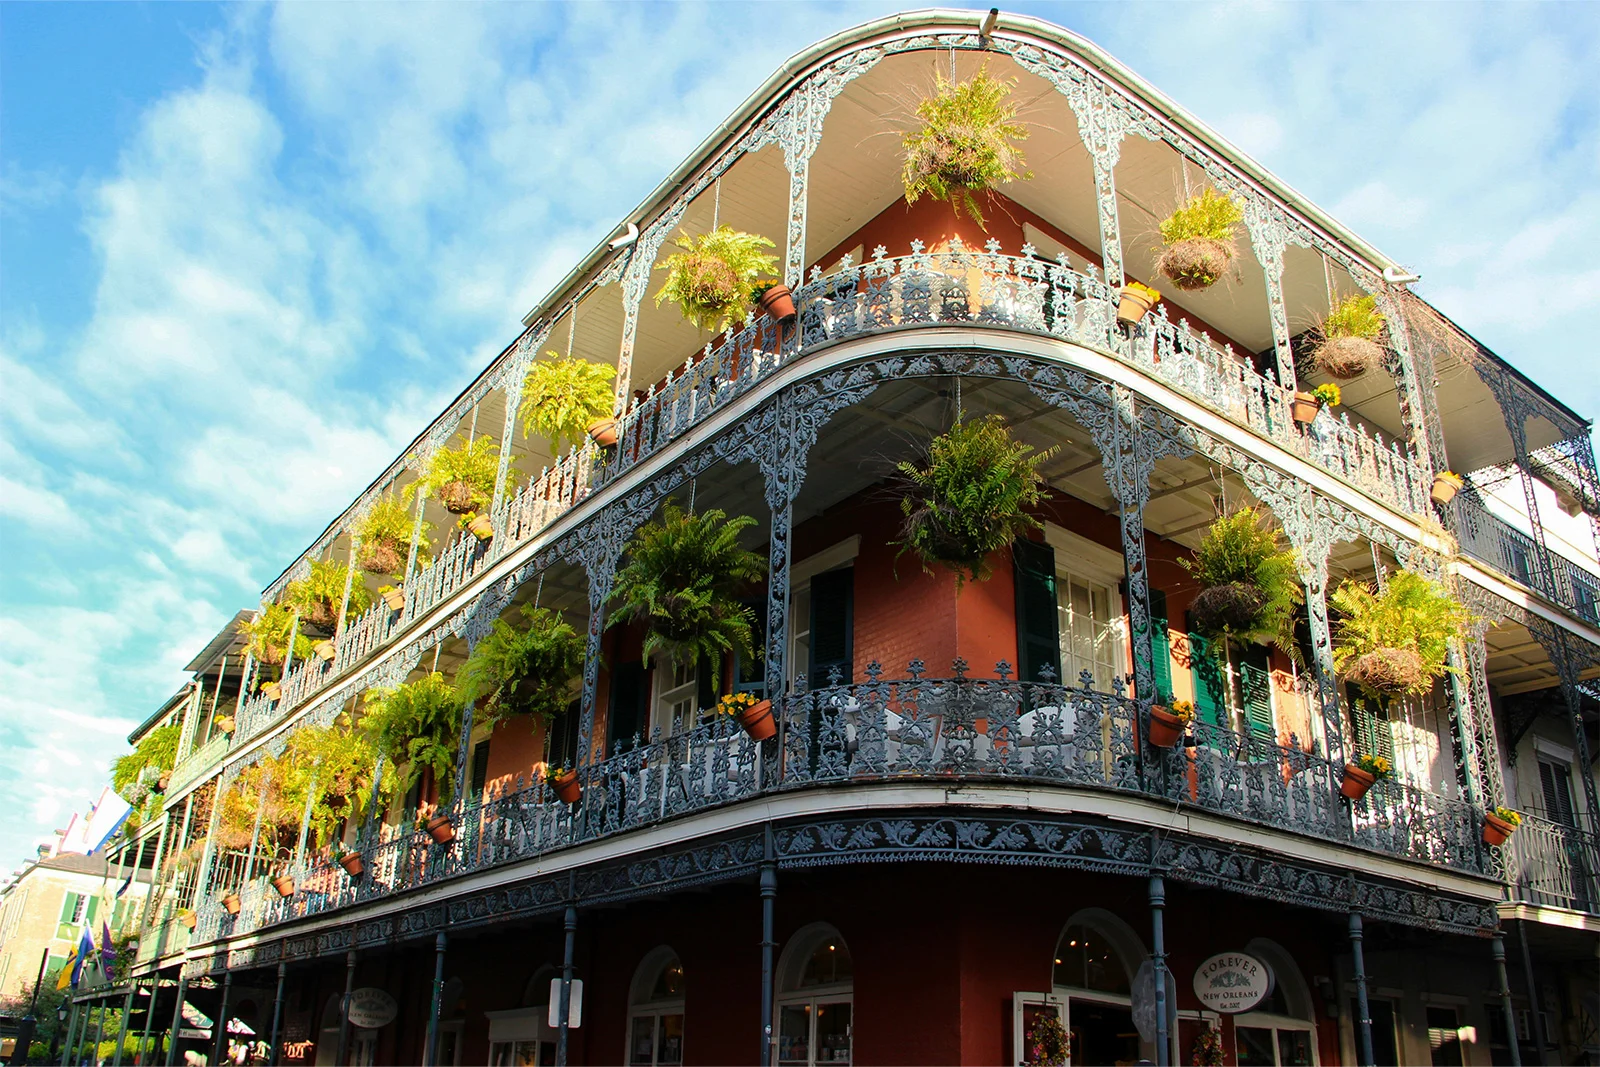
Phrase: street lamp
(61, 1023)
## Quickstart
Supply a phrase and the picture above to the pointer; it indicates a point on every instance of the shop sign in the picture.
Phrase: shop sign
(371, 1008)
(1231, 982)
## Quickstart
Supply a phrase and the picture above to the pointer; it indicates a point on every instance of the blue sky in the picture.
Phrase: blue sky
(246, 252)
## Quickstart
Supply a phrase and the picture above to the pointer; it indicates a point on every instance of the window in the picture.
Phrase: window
(523, 1037)
(480, 769)
(1385, 1047)
(816, 986)
(1090, 624)
(628, 714)
(1444, 1036)
(1092, 982)
(684, 692)
(1281, 1030)
(822, 615)
(655, 1011)
(1233, 689)
(1555, 786)
(76, 910)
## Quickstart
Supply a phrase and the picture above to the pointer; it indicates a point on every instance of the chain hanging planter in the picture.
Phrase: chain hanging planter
(1199, 240)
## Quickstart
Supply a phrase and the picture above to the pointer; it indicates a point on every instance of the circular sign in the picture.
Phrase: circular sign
(1231, 982)
(371, 1008)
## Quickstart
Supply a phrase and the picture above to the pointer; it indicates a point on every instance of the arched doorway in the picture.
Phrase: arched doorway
(655, 1011)
(816, 992)
(1282, 1029)
(1091, 982)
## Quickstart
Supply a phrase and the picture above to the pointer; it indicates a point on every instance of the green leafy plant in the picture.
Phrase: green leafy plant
(966, 496)
(267, 636)
(966, 143)
(1199, 239)
(1354, 316)
(383, 536)
(462, 478)
(134, 775)
(1249, 582)
(561, 396)
(713, 279)
(1347, 346)
(416, 725)
(259, 791)
(320, 593)
(524, 671)
(683, 579)
(1394, 642)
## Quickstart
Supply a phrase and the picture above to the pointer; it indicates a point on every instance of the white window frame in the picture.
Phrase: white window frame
(1077, 557)
(654, 1010)
(815, 998)
(1261, 1020)
(665, 691)
(834, 557)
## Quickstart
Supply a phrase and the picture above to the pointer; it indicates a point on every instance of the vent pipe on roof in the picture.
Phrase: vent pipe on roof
(1397, 276)
(628, 238)
(986, 30)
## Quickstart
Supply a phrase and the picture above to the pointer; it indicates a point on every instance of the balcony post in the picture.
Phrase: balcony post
(72, 1026)
(1158, 967)
(155, 873)
(564, 1005)
(344, 1008)
(769, 899)
(1102, 126)
(411, 553)
(150, 1018)
(431, 1051)
(1468, 760)
(1474, 655)
(1497, 951)
(1269, 236)
(344, 601)
(122, 1026)
(517, 373)
(202, 883)
(600, 565)
(1363, 1019)
(1127, 460)
(1414, 378)
(1311, 560)
(277, 1015)
(219, 1040)
(177, 1016)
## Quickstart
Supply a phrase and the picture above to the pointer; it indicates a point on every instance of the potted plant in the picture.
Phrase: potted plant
(1394, 642)
(187, 917)
(318, 596)
(1361, 775)
(1199, 240)
(274, 693)
(713, 279)
(462, 478)
(479, 526)
(349, 859)
(566, 398)
(563, 781)
(1446, 484)
(966, 143)
(683, 579)
(394, 596)
(284, 884)
(267, 636)
(383, 536)
(754, 714)
(527, 670)
(1168, 724)
(775, 298)
(440, 828)
(324, 650)
(1249, 584)
(966, 497)
(232, 903)
(1347, 348)
(417, 725)
(1207, 1048)
(1499, 825)
(155, 754)
(225, 722)
(1305, 406)
(1135, 301)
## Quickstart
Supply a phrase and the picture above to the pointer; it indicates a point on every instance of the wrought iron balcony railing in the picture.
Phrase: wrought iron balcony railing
(1516, 554)
(916, 729)
(1554, 865)
(958, 287)
(197, 764)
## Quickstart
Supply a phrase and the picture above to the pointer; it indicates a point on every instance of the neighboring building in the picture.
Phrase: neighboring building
(48, 904)
(945, 844)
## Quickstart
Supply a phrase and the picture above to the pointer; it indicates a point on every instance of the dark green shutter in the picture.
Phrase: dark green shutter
(1210, 685)
(563, 731)
(480, 768)
(1556, 784)
(1038, 637)
(1373, 736)
(707, 683)
(750, 672)
(1255, 689)
(1160, 645)
(832, 627)
(626, 718)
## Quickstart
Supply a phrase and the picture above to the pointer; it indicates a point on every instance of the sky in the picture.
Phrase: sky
(246, 253)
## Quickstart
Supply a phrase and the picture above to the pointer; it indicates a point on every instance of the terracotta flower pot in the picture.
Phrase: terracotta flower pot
(395, 598)
(758, 722)
(284, 884)
(324, 650)
(441, 829)
(226, 724)
(1165, 727)
(1496, 829)
(778, 302)
(1356, 781)
(1133, 305)
(161, 783)
(1446, 484)
(273, 690)
(566, 787)
(187, 918)
(351, 862)
(1304, 407)
(603, 432)
(232, 903)
(482, 527)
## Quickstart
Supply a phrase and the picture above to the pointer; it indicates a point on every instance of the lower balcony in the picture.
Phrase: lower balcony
(1036, 738)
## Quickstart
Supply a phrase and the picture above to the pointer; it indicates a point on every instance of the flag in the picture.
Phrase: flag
(126, 882)
(65, 977)
(108, 954)
(85, 951)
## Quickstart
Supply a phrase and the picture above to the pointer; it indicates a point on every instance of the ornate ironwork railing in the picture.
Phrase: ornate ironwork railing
(956, 287)
(1554, 865)
(1515, 554)
(197, 763)
(952, 729)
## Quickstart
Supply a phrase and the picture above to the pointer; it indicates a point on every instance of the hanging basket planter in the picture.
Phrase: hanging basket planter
(1166, 727)
(1195, 263)
(1356, 782)
(351, 862)
(1135, 301)
(1446, 484)
(778, 301)
(1233, 607)
(284, 884)
(381, 557)
(394, 596)
(603, 432)
(458, 498)
(565, 785)
(1389, 671)
(1497, 829)
(1347, 357)
(232, 903)
(324, 650)
(441, 829)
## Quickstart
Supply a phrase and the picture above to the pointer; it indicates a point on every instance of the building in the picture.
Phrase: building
(43, 912)
(962, 826)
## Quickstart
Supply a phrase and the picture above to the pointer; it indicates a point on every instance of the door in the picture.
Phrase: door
(1028, 1043)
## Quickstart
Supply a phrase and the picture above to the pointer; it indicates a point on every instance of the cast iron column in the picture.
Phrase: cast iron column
(72, 1025)
(150, 1018)
(1533, 993)
(1158, 967)
(431, 1051)
(1497, 949)
(769, 896)
(122, 1027)
(277, 1014)
(344, 1006)
(564, 1011)
(1363, 1014)
(177, 1016)
(219, 1041)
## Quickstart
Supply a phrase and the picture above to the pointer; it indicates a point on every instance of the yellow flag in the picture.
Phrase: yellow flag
(66, 969)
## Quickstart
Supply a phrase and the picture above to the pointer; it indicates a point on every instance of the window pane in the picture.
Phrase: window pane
(833, 1033)
(1255, 1046)
(794, 1034)
(669, 983)
(1294, 1048)
(1444, 1037)
(828, 964)
(1084, 959)
(641, 1050)
(671, 1039)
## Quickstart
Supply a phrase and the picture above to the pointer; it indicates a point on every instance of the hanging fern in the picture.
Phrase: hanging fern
(319, 594)
(713, 279)
(966, 497)
(561, 396)
(334, 763)
(683, 579)
(135, 774)
(416, 725)
(1199, 239)
(966, 144)
(462, 478)
(267, 637)
(1250, 585)
(527, 671)
(1394, 642)
(383, 536)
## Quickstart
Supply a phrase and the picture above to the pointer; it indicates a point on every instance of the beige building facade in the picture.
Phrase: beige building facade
(49, 903)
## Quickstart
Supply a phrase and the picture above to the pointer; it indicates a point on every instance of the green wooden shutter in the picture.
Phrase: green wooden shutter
(832, 627)
(1210, 686)
(93, 910)
(1371, 721)
(67, 928)
(1160, 645)
(1038, 637)
(626, 718)
(1255, 690)
(480, 769)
